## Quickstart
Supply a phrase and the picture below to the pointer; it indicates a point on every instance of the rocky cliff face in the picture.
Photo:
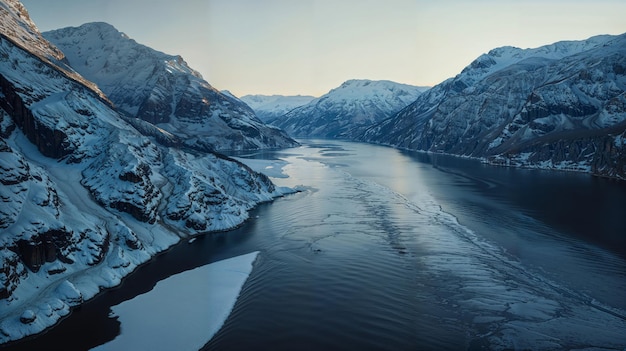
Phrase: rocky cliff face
(164, 91)
(85, 197)
(558, 106)
(345, 111)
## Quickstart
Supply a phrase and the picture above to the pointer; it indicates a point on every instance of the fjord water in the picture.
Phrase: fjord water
(394, 250)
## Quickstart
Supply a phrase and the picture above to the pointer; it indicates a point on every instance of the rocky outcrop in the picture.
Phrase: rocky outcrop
(205, 201)
(12, 272)
(50, 142)
(44, 247)
(121, 178)
(29, 219)
(28, 317)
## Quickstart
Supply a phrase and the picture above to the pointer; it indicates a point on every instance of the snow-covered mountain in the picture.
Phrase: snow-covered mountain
(559, 106)
(18, 28)
(163, 90)
(84, 196)
(345, 111)
(271, 107)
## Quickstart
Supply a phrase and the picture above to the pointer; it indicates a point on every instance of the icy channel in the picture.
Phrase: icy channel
(171, 318)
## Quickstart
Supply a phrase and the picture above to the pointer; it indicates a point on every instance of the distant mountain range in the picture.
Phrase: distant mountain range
(560, 106)
(163, 90)
(346, 111)
(272, 107)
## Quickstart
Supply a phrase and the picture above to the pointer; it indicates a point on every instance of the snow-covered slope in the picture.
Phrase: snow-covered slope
(17, 27)
(271, 107)
(558, 106)
(345, 111)
(84, 196)
(163, 90)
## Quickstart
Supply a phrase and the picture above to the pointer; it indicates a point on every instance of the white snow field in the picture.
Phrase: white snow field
(167, 318)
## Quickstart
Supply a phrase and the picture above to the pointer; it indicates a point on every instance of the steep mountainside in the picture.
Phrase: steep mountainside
(269, 108)
(163, 90)
(345, 111)
(558, 106)
(21, 31)
(85, 197)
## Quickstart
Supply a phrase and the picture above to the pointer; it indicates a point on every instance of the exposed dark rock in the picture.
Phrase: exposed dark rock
(138, 212)
(196, 224)
(50, 142)
(12, 271)
(58, 270)
(42, 248)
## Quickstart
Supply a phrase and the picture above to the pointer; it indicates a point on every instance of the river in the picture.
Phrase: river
(397, 250)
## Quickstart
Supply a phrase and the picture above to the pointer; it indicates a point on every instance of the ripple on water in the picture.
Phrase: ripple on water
(463, 290)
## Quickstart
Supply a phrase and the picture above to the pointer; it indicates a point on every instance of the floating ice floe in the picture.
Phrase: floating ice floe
(173, 318)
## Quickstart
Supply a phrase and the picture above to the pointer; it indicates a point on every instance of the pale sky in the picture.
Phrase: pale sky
(308, 47)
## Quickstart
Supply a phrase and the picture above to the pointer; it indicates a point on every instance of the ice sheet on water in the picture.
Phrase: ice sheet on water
(184, 311)
(271, 168)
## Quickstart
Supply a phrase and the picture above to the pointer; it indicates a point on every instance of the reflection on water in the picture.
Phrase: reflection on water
(469, 280)
(389, 249)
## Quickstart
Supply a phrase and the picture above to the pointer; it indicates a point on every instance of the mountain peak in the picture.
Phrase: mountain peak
(104, 28)
(364, 90)
(343, 111)
(15, 23)
(162, 89)
(115, 47)
(270, 108)
(17, 26)
(556, 50)
(356, 82)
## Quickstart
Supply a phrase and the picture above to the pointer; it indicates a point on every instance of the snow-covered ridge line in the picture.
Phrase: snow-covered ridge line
(162, 90)
(562, 104)
(269, 108)
(71, 75)
(28, 37)
(348, 109)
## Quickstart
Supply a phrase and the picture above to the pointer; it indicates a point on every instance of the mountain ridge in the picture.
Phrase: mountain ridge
(345, 110)
(163, 90)
(271, 107)
(512, 106)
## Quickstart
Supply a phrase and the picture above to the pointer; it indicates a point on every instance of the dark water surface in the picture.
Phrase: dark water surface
(394, 250)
